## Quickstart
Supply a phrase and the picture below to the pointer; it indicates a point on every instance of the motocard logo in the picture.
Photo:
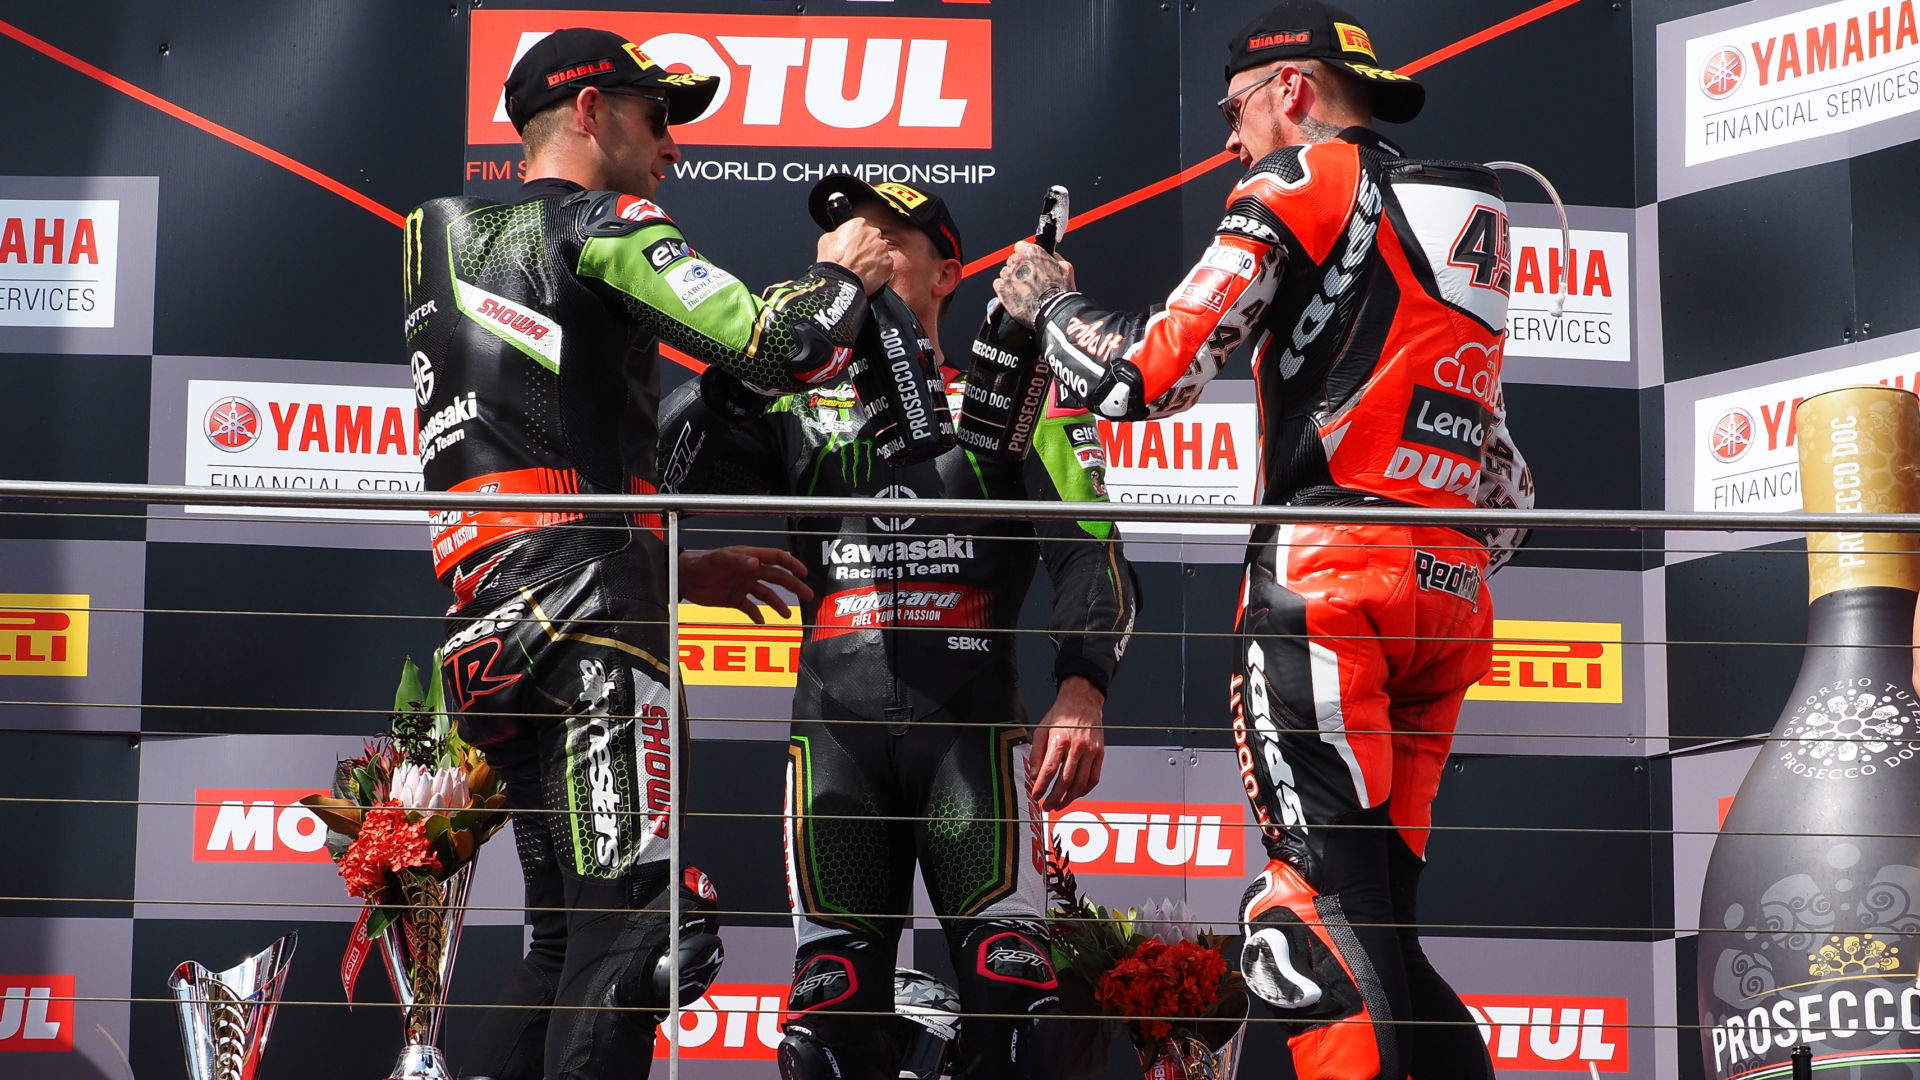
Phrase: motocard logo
(1746, 457)
(304, 436)
(1152, 839)
(1821, 71)
(722, 647)
(36, 1013)
(58, 261)
(1575, 662)
(44, 633)
(1528, 1033)
(785, 80)
(255, 825)
(1204, 455)
(1596, 322)
(730, 1022)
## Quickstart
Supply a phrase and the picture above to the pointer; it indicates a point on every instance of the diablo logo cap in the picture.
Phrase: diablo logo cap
(926, 210)
(1308, 29)
(564, 62)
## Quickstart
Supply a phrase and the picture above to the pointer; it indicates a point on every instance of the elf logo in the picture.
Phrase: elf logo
(36, 1013)
(254, 825)
(785, 80)
(1151, 839)
(1527, 1032)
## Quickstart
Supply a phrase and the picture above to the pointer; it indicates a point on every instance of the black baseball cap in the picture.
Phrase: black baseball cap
(565, 61)
(1308, 29)
(923, 208)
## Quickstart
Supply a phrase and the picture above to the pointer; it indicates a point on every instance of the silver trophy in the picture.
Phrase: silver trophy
(419, 949)
(225, 1016)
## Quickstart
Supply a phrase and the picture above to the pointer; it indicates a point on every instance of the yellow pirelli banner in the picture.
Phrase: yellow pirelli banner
(722, 647)
(44, 633)
(1576, 662)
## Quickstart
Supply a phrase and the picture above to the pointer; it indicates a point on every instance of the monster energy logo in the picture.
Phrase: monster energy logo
(856, 460)
(412, 258)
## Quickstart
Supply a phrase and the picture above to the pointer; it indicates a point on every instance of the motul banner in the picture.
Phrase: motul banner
(785, 80)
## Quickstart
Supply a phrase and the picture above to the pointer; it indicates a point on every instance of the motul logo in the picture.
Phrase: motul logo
(36, 1013)
(256, 826)
(785, 80)
(49, 241)
(1152, 839)
(1552, 1034)
(730, 1022)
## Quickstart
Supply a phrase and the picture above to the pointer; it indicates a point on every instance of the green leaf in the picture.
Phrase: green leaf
(437, 826)
(363, 782)
(380, 919)
(411, 690)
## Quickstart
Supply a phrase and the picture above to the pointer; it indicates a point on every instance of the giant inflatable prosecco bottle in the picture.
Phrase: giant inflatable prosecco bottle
(1810, 916)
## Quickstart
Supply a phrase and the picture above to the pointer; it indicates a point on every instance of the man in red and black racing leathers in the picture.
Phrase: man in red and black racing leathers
(1374, 289)
(909, 740)
(528, 325)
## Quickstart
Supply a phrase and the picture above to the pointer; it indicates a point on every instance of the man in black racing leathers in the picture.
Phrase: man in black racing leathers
(528, 325)
(909, 740)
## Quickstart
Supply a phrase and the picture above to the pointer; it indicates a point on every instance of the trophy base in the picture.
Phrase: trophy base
(421, 1062)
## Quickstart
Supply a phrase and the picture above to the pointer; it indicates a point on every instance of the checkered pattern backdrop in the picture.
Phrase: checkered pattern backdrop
(186, 305)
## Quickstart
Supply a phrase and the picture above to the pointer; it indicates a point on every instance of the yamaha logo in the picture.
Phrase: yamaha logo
(1723, 73)
(894, 524)
(1731, 437)
(232, 424)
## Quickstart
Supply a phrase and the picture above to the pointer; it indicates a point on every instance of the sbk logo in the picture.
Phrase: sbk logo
(36, 1013)
(254, 825)
(1151, 839)
(1552, 1034)
(785, 80)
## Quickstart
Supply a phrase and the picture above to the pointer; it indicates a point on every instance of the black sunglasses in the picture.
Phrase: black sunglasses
(1231, 105)
(657, 120)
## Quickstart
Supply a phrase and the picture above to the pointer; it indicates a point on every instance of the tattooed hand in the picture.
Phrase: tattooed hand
(1031, 278)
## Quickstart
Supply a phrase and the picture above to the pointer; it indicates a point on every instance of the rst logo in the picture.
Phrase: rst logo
(1152, 839)
(730, 1022)
(720, 647)
(36, 1013)
(252, 825)
(786, 80)
(1526, 1033)
(1553, 661)
(44, 633)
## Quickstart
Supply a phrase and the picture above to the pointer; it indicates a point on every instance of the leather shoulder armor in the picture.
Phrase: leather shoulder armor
(610, 213)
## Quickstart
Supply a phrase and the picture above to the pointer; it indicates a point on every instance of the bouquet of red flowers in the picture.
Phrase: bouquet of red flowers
(413, 809)
(1165, 980)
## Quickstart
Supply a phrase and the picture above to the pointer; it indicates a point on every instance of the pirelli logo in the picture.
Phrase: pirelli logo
(44, 633)
(722, 647)
(1553, 661)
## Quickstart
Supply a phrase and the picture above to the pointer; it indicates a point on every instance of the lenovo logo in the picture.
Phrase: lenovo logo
(36, 1013)
(1152, 839)
(1552, 1034)
(256, 826)
(785, 80)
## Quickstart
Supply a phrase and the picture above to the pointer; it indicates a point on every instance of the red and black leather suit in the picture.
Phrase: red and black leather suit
(1374, 290)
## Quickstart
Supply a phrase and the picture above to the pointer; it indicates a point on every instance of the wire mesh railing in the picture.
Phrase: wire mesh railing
(700, 520)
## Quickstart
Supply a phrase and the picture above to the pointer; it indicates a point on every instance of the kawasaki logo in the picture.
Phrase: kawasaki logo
(839, 552)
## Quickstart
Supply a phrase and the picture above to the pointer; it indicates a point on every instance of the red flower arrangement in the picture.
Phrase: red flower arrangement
(1161, 980)
(387, 844)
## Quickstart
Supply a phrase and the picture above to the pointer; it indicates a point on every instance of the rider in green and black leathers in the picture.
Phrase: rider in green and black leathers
(532, 328)
(909, 739)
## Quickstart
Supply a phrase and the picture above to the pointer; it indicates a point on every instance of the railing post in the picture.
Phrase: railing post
(677, 735)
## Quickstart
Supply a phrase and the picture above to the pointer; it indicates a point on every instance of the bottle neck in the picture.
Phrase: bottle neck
(1873, 616)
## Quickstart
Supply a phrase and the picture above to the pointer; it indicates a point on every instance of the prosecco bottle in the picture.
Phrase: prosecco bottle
(1006, 388)
(1810, 913)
